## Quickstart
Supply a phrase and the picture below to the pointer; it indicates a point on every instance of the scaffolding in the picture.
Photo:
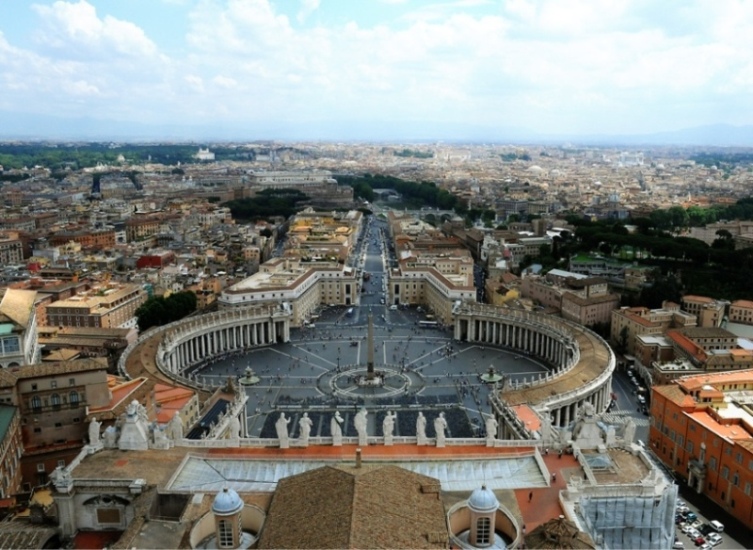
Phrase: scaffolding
(630, 521)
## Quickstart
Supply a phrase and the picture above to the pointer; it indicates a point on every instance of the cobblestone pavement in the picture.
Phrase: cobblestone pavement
(421, 369)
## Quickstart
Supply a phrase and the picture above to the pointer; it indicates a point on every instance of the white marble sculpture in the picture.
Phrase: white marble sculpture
(175, 427)
(304, 426)
(491, 430)
(360, 423)
(440, 425)
(281, 426)
(234, 429)
(336, 429)
(134, 433)
(388, 427)
(110, 438)
(94, 427)
(421, 430)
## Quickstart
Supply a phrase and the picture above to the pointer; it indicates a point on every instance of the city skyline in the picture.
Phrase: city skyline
(378, 70)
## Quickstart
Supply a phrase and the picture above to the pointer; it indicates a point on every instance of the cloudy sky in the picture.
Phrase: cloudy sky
(360, 69)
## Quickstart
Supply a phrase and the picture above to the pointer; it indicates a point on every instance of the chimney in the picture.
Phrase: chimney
(358, 458)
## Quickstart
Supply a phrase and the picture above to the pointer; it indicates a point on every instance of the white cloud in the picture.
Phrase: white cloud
(307, 8)
(76, 29)
(585, 65)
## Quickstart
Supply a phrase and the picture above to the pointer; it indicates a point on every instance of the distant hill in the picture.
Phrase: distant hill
(719, 135)
(14, 125)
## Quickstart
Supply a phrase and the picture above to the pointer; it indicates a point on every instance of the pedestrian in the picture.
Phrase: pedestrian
(559, 455)
(554, 476)
(530, 496)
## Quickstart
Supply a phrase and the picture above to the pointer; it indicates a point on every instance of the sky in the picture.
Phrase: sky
(374, 69)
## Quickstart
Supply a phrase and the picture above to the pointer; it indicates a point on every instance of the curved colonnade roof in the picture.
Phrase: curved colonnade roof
(594, 359)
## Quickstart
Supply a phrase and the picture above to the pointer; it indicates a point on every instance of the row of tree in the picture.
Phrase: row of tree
(158, 310)
(415, 194)
(268, 204)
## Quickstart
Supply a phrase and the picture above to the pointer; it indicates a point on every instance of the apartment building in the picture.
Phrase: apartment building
(709, 312)
(11, 249)
(18, 328)
(741, 311)
(301, 286)
(100, 240)
(11, 449)
(629, 322)
(711, 349)
(702, 428)
(52, 399)
(108, 305)
(590, 310)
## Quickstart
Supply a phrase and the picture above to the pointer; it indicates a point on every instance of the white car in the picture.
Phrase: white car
(714, 539)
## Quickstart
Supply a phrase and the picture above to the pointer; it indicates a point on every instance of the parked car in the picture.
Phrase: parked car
(714, 539)
(699, 540)
(678, 545)
(690, 517)
(717, 525)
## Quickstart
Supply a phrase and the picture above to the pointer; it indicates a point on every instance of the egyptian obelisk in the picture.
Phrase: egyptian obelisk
(370, 344)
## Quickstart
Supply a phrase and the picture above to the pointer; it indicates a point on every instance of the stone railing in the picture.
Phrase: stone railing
(373, 443)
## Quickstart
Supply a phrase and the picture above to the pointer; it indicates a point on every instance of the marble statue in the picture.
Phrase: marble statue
(629, 434)
(110, 437)
(234, 428)
(546, 426)
(359, 421)
(94, 427)
(388, 427)
(336, 429)
(281, 426)
(175, 427)
(491, 430)
(440, 425)
(304, 425)
(421, 429)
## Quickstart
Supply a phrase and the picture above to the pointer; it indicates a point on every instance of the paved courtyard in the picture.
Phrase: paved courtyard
(422, 369)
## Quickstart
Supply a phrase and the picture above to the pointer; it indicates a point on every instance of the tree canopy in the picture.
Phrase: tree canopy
(158, 311)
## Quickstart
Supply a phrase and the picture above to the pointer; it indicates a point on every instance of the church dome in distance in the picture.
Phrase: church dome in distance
(227, 502)
(483, 500)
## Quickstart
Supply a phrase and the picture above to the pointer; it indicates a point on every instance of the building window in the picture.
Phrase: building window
(725, 472)
(483, 526)
(71, 381)
(55, 401)
(225, 533)
(73, 399)
(34, 387)
(40, 467)
(61, 463)
(712, 463)
(36, 403)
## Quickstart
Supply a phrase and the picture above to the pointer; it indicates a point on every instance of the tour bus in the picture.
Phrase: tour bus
(428, 324)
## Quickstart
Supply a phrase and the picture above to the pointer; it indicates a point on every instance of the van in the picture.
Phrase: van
(717, 525)
(393, 307)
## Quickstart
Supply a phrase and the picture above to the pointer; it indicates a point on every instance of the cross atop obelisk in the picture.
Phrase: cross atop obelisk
(370, 344)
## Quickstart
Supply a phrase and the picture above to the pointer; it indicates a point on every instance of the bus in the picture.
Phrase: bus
(428, 324)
